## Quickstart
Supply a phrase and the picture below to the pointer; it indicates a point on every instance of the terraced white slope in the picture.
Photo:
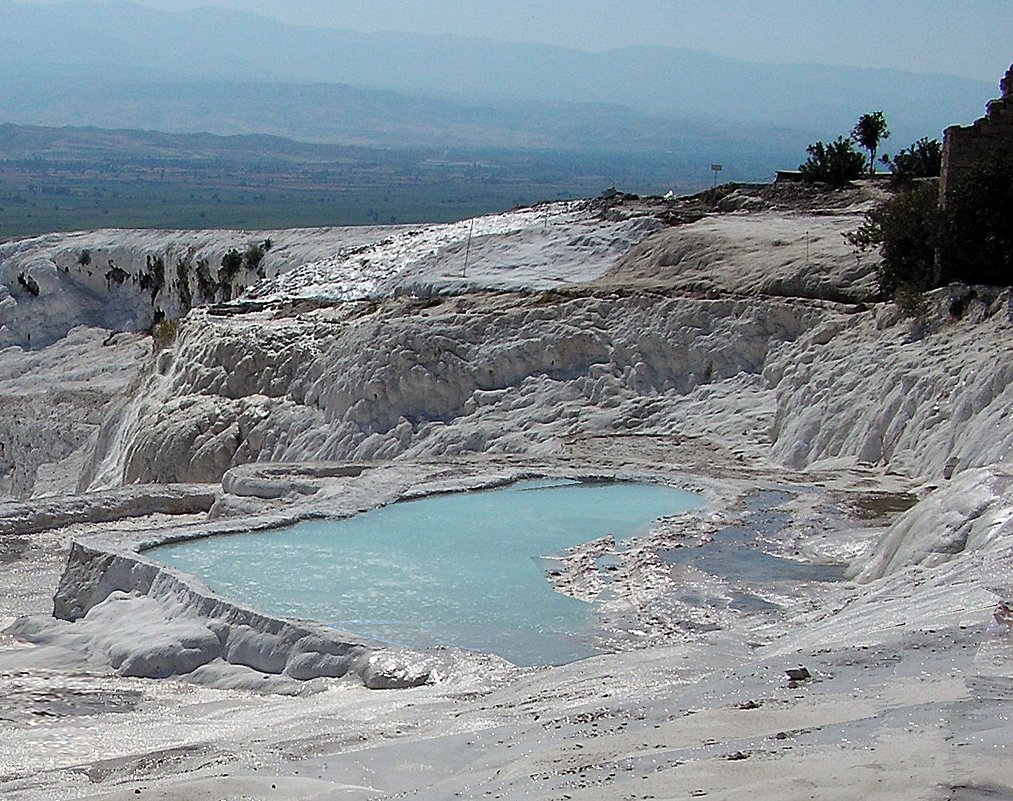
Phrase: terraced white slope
(49, 284)
(911, 683)
(483, 374)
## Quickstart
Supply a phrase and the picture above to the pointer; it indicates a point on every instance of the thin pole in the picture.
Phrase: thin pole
(467, 250)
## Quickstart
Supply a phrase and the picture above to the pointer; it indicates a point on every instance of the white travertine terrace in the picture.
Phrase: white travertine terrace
(737, 349)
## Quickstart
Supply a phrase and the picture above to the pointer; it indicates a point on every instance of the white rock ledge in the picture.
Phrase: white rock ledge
(267, 480)
(148, 620)
(31, 517)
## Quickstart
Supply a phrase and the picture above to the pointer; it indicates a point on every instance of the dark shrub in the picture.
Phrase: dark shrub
(835, 164)
(253, 256)
(976, 237)
(904, 229)
(29, 284)
(232, 263)
(205, 281)
(923, 159)
(183, 268)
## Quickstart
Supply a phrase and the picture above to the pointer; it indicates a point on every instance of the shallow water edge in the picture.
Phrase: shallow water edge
(184, 628)
(466, 569)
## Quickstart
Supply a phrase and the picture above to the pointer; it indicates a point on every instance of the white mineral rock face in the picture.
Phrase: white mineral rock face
(534, 248)
(73, 290)
(53, 402)
(619, 341)
(973, 513)
(922, 399)
(772, 253)
(488, 374)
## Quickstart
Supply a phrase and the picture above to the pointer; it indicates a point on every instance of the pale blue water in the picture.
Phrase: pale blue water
(462, 569)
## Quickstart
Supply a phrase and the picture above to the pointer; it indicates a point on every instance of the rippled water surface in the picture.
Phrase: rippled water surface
(463, 569)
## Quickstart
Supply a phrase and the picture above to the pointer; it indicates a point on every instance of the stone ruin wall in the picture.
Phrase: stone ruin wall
(993, 133)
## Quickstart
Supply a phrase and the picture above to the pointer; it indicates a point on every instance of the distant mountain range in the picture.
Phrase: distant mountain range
(340, 114)
(117, 64)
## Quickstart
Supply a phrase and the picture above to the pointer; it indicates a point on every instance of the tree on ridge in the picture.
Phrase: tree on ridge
(869, 131)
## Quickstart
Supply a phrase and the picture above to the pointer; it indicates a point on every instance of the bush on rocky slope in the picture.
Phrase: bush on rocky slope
(924, 246)
(922, 159)
(904, 229)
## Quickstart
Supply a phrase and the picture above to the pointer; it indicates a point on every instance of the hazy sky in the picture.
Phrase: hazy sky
(973, 38)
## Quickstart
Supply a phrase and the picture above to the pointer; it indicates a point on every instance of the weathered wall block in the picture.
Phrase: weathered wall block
(967, 144)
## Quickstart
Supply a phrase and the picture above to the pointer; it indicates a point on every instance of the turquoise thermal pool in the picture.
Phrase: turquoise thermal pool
(465, 569)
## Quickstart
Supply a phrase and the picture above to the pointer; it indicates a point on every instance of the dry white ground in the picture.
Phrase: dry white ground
(718, 352)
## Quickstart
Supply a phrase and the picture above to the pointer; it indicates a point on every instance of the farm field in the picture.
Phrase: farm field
(75, 179)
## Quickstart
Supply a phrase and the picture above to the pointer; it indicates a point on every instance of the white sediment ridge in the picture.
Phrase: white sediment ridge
(858, 532)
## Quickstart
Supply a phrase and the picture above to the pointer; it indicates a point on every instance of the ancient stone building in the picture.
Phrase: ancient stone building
(993, 133)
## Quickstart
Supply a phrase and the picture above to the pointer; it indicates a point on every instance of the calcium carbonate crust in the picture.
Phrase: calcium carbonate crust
(780, 383)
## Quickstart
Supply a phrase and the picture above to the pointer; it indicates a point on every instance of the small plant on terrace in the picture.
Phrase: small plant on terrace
(163, 333)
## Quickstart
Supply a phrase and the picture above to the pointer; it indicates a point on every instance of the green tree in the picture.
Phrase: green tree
(253, 256)
(868, 132)
(836, 163)
(923, 159)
